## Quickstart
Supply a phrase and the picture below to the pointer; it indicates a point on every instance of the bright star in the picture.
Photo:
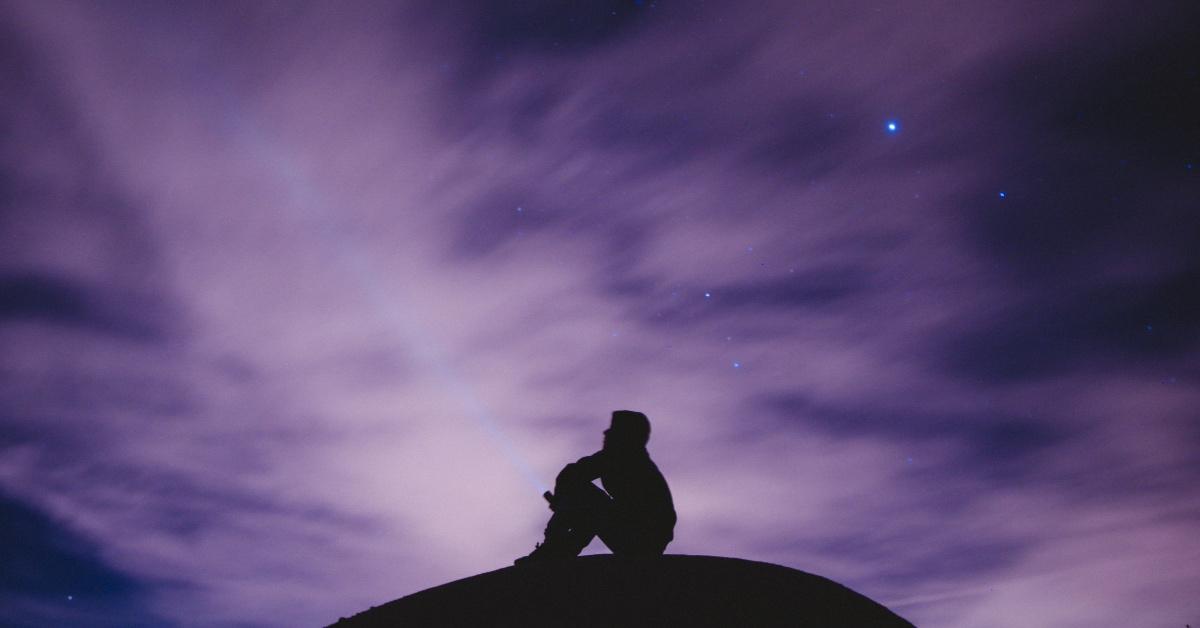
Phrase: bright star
(892, 126)
(1003, 195)
(737, 365)
(708, 295)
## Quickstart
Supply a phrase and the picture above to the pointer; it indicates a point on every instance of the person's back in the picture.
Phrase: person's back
(640, 493)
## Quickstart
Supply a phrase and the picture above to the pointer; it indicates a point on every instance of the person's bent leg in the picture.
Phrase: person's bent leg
(579, 513)
(585, 509)
(557, 543)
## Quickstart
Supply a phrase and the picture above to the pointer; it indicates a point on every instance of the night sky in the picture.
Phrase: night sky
(303, 304)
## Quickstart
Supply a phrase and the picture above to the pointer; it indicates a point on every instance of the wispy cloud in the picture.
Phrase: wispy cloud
(302, 305)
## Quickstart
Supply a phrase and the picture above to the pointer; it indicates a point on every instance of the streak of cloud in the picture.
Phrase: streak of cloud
(301, 304)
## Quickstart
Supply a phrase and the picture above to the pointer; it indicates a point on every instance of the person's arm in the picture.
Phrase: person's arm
(586, 469)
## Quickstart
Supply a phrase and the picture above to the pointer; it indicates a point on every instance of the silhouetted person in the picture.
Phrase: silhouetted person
(635, 517)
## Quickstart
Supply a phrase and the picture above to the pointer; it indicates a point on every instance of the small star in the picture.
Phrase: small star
(1149, 327)
(892, 126)
(1003, 195)
(749, 249)
(737, 365)
(708, 295)
(70, 598)
(520, 210)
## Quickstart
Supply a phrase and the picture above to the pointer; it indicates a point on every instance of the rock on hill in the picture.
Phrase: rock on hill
(671, 590)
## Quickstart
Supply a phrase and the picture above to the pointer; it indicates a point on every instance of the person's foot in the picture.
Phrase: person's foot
(542, 553)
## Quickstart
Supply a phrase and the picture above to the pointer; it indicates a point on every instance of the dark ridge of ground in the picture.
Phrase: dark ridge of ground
(604, 590)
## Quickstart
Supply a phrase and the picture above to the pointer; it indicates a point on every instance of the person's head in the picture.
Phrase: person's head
(629, 430)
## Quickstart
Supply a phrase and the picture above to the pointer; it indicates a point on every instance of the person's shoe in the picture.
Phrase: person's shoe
(542, 553)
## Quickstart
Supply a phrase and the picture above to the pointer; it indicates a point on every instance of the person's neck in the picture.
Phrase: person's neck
(626, 451)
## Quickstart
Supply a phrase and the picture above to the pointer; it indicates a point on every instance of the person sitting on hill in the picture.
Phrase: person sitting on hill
(633, 515)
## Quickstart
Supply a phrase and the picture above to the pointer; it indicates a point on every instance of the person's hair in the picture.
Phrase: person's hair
(633, 426)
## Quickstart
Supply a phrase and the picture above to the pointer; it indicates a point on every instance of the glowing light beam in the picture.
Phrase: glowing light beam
(333, 235)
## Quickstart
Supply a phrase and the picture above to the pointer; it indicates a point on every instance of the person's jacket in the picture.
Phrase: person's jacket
(638, 489)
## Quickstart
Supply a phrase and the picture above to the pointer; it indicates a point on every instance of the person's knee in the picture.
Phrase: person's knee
(571, 475)
(580, 491)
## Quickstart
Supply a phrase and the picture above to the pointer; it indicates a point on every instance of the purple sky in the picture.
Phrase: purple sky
(302, 304)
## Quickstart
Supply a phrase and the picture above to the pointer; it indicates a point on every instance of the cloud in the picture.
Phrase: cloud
(1123, 320)
(44, 559)
(304, 305)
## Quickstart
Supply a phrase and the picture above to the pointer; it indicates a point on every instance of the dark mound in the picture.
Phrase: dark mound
(661, 591)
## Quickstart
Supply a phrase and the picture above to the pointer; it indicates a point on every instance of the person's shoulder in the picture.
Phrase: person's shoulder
(596, 458)
(636, 457)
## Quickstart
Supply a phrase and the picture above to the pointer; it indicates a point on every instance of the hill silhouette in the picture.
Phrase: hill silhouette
(606, 590)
